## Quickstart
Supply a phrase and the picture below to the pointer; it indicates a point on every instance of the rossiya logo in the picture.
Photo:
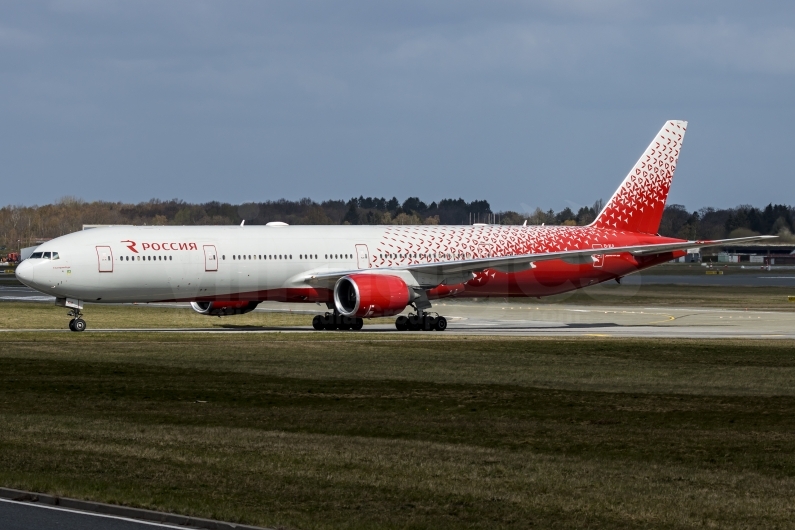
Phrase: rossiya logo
(160, 246)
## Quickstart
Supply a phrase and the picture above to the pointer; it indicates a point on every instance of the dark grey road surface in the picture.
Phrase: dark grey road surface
(761, 279)
(14, 292)
(27, 516)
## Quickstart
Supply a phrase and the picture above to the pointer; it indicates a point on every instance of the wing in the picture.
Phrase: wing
(525, 261)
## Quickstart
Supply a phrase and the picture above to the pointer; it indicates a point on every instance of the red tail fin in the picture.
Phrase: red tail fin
(638, 204)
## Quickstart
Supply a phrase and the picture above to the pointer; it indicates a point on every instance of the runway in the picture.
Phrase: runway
(518, 318)
(491, 319)
(28, 516)
(616, 321)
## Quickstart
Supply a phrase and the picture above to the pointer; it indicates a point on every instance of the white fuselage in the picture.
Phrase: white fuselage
(145, 264)
(187, 263)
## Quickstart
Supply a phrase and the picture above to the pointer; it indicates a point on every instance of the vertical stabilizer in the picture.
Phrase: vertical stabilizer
(638, 204)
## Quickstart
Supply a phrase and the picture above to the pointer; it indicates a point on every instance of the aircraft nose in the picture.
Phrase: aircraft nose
(24, 272)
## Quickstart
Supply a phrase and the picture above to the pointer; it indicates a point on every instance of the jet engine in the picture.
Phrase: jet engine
(371, 295)
(218, 309)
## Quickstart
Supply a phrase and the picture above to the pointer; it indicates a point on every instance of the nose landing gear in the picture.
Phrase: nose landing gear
(77, 323)
(421, 321)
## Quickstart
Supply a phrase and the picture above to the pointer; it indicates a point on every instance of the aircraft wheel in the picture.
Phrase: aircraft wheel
(440, 324)
(72, 324)
(402, 323)
(79, 325)
(317, 322)
(415, 323)
(359, 324)
(428, 323)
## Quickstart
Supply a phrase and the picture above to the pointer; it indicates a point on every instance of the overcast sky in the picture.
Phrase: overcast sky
(523, 104)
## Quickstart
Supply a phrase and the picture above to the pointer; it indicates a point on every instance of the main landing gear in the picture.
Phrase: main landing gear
(331, 321)
(77, 323)
(421, 321)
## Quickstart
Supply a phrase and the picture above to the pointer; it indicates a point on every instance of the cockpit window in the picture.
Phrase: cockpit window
(46, 255)
(55, 255)
(35, 255)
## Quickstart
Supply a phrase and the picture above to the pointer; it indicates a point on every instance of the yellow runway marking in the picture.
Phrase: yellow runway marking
(669, 319)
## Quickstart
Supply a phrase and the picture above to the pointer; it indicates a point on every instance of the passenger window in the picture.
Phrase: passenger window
(223, 257)
(170, 258)
(291, 256)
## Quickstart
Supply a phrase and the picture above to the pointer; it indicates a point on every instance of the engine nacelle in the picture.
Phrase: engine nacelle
(222, 308)
(371, 295)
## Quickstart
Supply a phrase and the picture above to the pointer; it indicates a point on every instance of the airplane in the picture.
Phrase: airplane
(363, 272)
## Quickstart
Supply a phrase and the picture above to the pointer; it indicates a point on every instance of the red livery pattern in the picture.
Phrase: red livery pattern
(638, 204)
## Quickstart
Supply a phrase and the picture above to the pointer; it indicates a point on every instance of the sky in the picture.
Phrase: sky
(524, 104)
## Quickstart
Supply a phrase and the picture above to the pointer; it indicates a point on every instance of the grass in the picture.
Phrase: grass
(33, 315)
(362, 431)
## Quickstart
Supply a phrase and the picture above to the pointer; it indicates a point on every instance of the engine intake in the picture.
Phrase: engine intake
(223, 308)
(371, 295)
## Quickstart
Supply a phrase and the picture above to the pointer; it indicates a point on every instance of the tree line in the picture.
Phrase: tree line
(22, 226)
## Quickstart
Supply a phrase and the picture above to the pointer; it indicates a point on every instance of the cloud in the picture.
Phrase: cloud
(733, 46)
(14, 38)
(501, 100)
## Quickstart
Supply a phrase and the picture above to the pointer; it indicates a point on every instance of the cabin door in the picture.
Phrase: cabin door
(362, 257)
(210, 258)
(105, 259)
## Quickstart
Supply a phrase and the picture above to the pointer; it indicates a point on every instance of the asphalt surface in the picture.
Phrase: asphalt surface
(28, 516)
(519, 317)
(785, 278)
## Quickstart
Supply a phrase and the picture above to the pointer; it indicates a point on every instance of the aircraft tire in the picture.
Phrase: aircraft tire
(317, 322)
(72, 324)
(79, 325)
(440, 324)
(359, 324)
(402, 323)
